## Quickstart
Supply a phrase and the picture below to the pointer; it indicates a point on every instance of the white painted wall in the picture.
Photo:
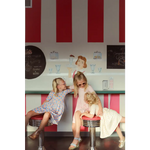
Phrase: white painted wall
(78, 46)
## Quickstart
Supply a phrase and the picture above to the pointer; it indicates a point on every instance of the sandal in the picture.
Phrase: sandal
(121, 144)
(75, 145)
(34, 135)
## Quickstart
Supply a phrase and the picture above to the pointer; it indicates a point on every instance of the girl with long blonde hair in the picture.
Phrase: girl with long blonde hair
(52, 107)
(109, 120)
(80, 86)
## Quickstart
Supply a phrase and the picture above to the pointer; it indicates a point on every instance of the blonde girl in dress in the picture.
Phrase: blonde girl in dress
(109, 121)
(52, 107)
(80, 87)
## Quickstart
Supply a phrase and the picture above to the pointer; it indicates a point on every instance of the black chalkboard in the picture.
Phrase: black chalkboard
(35, 62)
(115, 56)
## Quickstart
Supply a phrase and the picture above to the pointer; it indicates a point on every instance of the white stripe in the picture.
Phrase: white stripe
(32, 101)
(48, 24)
(79, 22)
(122, 110)
(111, 21)
(65, 123)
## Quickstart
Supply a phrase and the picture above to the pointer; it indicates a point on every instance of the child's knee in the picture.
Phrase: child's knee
(77, 113)
(73, 126)
(29, 113)
(47, 114)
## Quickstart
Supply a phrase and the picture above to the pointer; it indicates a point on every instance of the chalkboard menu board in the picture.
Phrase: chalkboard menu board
(35, 62)
(115, 56)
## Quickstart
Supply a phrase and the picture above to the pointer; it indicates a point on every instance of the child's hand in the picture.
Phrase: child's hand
(100, 113)
(86, 111)
(83, 114)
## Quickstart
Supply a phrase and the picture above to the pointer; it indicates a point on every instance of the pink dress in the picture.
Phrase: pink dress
(81, 105)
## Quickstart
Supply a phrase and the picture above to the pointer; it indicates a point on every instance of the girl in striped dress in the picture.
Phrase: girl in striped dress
(52, 107)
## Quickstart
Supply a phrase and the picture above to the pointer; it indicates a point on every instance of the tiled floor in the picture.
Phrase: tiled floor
(62, 143)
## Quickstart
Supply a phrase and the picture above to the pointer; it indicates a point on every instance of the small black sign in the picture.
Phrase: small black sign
(35, 62)
(115, 56)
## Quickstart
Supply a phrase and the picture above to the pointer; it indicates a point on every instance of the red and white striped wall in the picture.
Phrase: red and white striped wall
(66, 20)
(112, 101)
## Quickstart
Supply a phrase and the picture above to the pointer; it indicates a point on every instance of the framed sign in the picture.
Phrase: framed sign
(35, 62)
(115, 56)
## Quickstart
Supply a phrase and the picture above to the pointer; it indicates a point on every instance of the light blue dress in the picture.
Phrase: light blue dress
(55, 106)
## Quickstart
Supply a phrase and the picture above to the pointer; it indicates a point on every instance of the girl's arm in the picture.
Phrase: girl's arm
(70, 87)
(87, 115)
(100, 111)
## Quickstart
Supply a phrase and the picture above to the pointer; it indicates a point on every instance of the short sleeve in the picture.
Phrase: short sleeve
(68, 91)
(71, 87)
(50, 96)
(92, 109)
(90, 89)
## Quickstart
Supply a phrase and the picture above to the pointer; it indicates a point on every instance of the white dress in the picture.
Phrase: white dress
(109, 121)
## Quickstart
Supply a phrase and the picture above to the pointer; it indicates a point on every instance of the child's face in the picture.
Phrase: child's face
(62, 85)
(80, 63)
(81, 83)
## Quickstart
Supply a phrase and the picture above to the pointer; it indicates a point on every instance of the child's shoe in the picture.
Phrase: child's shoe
(121, 144)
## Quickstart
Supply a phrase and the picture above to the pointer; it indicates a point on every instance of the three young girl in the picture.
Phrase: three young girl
(88, 101)
(52, 107)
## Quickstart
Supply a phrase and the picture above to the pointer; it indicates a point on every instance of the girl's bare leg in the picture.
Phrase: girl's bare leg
(122, 120)
(77, 128)
(119, 133)
(44, 122)
(73, 129)
(28, 116)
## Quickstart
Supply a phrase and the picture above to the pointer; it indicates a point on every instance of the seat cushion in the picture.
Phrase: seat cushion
(38, 117)
(94, 118)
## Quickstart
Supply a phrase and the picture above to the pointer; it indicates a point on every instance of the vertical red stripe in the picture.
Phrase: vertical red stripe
(106, 100)
(115, 102)
(64, 20)
(33, 22)
(43, 97)
(85, 129)
(52, 128)
(121, 20)
(23, 104)
(95, 20)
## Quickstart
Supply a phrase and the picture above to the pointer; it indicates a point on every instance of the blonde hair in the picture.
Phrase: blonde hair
(83, 58)
(79, 76)
(54, 85)
(91, 98)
